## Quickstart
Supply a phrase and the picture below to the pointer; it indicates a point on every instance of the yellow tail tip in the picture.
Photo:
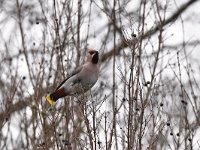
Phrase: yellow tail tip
(48, 98)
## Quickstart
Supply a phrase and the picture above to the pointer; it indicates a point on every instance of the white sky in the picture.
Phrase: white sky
(34, 34)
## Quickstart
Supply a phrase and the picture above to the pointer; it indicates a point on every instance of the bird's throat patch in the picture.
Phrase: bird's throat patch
(95, 58)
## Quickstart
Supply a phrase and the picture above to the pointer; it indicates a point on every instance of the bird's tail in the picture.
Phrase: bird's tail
(48, 98)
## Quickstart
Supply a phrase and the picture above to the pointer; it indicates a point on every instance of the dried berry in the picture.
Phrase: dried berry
(123, 99)
(133, 35)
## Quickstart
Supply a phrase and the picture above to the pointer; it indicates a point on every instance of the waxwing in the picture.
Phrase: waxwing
(81, 80)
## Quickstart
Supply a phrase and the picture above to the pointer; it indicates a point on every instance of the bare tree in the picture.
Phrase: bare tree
(147, 95)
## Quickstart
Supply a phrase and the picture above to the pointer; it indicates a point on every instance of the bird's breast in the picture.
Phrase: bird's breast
(90, 79)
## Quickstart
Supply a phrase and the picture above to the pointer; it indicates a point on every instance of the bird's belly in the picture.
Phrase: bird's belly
(88, 82)
(83, 85)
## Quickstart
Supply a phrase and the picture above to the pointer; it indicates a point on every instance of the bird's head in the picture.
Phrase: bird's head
(93, 56)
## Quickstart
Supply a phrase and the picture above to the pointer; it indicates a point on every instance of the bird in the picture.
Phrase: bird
(80, 81)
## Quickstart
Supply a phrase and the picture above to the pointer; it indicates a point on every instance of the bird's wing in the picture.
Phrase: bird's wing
(73, 73)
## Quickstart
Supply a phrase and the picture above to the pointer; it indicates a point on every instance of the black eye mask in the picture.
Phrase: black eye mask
(95, 58)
